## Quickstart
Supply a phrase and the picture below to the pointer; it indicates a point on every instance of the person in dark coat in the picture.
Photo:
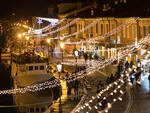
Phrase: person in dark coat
(131, 64)
(85, 56)
(149, 80)
(127, 65)
(76, 87)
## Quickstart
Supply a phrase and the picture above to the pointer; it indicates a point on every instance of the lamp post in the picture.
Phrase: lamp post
(59, 68)
(20, 36)
(48, 41)
(27, 38)
(62, 48)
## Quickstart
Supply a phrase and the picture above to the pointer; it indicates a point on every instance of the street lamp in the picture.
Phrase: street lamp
(20, 36)
(23, 34)
(59, 68)
(62, 48)
(27, 37)
(48, 41)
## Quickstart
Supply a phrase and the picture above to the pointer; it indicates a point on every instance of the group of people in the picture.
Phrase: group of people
(134, 75)
(73, 87)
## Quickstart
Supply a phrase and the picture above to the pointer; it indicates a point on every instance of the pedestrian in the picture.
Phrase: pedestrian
(108, 80)
(127, 65)
(111, 78)
(149, 80)
(131, 64)
(85, 57)
(76, 87)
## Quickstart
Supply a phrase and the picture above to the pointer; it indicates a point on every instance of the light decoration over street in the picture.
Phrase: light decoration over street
(120, 81)
(39, 21)
(59, 29)
(96, 67)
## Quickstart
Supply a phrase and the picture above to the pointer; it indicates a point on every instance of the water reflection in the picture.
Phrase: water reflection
(35, 102)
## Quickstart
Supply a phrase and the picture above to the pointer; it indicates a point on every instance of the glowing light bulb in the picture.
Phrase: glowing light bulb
(114, 100)
(120, 98)
(109, 105)
(121, 91)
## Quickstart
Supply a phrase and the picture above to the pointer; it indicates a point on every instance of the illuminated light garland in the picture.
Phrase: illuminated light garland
(121, 91)
(106, 89)
(80, 31)
(119, 98)
(81, 74)
(48, 27)
(59, 29)
(106, 109)
(109, 105)
(99, 103)
(87, 27)
(116, 30)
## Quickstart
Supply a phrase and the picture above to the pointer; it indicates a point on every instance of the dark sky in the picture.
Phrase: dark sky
(28, 7)
(24, 7)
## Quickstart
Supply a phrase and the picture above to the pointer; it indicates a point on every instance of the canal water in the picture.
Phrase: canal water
(27, 102)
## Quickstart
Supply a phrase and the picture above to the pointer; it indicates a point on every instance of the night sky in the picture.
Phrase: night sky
(28, 8)
(25, 8)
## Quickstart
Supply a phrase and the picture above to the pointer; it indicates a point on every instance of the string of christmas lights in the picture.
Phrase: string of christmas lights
(59, 29)
(48, 27)
(112, 32)
(115, 83)
(81, 74)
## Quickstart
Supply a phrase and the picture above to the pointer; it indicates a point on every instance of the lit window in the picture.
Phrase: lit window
(41, 67)
(30, 68)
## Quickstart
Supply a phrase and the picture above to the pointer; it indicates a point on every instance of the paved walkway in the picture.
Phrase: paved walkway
(138, 100)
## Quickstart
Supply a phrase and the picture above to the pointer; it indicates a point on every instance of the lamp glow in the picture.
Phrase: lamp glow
(59, 67)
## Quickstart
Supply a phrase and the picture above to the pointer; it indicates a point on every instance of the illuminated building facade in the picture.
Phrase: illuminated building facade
(107, 47)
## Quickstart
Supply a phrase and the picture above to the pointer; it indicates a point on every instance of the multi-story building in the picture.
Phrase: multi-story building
(111, 16)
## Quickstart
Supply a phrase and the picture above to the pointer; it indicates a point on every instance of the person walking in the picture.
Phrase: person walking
(127, 65)
(149, 80)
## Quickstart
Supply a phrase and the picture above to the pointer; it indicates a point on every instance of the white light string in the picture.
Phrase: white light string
(59, 29)
(81, 30)
(82, 63)
(108, 87)
(48, 27)
(115, 30)
(55, 83)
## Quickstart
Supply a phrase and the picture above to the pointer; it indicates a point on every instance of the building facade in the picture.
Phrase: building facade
(137, 28)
